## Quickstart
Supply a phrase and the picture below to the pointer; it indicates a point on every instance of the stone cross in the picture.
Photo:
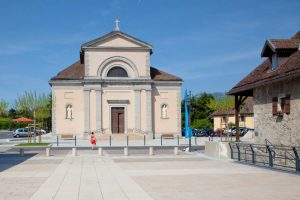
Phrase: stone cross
(117, 25)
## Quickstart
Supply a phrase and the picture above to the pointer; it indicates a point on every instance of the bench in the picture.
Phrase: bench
(67, 136)
(167, 136)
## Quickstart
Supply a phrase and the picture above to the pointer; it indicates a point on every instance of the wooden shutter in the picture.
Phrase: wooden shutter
(287, 104)
(274, 105)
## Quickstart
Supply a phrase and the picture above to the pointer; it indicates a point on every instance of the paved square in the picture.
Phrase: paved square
(137, 176)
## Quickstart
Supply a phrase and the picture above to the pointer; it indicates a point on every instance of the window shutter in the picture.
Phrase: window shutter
(287, 104)
(274, 105)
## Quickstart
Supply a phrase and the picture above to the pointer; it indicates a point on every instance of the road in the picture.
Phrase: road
(6, 134)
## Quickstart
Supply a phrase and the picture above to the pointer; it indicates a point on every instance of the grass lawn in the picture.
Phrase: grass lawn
(32, 144)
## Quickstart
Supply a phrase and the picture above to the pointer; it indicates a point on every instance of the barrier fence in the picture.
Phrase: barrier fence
(274, 156)
(127, 140)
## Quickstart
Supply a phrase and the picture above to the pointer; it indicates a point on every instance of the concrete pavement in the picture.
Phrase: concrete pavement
(138, 176)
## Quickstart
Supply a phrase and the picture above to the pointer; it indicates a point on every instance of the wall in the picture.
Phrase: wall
(278, 131)
(170, 96)
(249, 121)
(62, 96)
(140, 58)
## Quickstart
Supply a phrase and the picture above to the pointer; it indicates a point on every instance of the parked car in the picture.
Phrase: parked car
(204, 132)
(243, 131)
(21, 132)
(37, 130)
(193, 132)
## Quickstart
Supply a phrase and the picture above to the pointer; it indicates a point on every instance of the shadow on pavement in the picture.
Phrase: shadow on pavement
(8, 160)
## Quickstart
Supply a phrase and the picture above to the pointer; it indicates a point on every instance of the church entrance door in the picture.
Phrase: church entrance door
(117, 120)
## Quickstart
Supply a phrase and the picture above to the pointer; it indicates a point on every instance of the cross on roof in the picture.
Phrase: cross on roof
(117, 25)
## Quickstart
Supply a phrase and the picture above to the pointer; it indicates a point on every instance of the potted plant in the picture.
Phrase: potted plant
(279, 113)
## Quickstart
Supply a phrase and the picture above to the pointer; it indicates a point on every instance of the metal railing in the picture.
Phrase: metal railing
(275, 156)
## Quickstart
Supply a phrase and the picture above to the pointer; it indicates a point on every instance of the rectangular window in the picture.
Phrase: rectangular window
(224, 119)
(243, 118)
(281, 105)
(274, 61)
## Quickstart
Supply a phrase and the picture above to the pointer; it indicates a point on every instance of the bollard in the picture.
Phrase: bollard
(176, 152)
(161, 140)
(100, 153)
(110, 140)
(48, 152)
(127, 140)
(74, 151)
(177, 139)
(56, 140)
(22, 152)
(151, 151)
(195, 140)
(144, 140)
(75, 140)
(125, 151)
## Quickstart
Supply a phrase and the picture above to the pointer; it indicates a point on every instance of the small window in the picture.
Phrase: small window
(117, 72)
(274, 61)
(243, 118)
(224, 119)
(281, 105)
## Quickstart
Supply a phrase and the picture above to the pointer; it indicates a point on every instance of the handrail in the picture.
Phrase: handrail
(275, 156)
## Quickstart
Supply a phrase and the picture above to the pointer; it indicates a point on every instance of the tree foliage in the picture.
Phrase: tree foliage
(3, 106)
(31, 102)
(224, 104)
(203, 106)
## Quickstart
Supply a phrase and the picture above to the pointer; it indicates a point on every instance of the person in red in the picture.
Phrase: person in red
(93, 141)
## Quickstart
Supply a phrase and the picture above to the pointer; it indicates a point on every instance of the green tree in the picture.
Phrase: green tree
(225, 104)
(200, 110)
(31, 102)
(202, 123)
(3, 106)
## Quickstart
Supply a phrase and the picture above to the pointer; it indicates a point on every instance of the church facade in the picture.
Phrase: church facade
(113, 89)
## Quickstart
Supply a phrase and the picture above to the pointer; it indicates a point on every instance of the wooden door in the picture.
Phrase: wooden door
(117, 120)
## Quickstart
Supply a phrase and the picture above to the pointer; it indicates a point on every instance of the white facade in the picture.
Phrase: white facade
(108, 104)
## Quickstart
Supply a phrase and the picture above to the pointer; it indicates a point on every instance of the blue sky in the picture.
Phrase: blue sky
(210, 44)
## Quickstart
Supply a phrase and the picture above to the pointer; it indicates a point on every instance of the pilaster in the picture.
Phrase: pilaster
(137, 97)
(86, 111)
(99, 111)
(149, 112)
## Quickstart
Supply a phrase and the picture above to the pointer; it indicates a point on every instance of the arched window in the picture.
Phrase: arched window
(117, 72)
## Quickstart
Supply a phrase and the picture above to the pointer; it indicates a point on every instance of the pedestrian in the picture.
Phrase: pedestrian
(93, 141)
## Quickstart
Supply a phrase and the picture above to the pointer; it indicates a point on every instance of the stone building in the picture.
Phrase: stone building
(275, 87)
(224, 118)
(113, 89)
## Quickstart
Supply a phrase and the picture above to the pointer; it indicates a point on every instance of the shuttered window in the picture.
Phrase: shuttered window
(287, 104)
(281, 105)
(274, 105)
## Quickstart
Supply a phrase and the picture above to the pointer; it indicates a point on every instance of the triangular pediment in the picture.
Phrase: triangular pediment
(117, 39)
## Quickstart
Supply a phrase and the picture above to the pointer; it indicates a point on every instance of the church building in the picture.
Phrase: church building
(113, 89)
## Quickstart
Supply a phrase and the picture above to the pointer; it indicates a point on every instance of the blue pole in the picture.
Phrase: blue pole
(186, 112)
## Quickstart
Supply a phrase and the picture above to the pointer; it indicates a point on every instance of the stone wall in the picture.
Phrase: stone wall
(278, 130)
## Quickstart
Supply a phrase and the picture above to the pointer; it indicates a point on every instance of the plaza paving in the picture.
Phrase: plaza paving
(138, 176)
